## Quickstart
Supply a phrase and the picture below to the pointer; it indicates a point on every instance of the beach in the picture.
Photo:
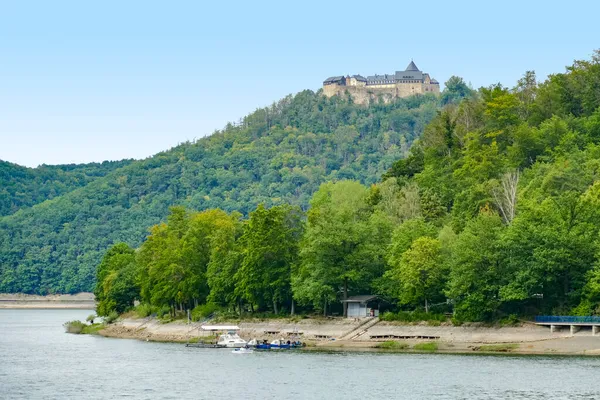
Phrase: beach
(82, 300)
(325, 334)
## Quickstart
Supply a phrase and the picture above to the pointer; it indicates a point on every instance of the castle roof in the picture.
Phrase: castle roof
(379, 78)
(333, 79)
(412, 75)
(412, 66)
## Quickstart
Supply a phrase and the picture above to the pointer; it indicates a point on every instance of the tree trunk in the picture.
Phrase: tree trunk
(426, 306)
(325, 308)
(345, 297)
(293, 308)
(275, 310)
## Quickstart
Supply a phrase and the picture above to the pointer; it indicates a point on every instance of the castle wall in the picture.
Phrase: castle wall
(365, 94)
(332, 90)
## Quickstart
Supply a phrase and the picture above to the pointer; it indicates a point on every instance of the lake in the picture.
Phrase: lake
(39, 361)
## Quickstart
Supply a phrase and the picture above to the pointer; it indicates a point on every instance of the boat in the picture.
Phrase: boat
(242, 350)
(231, 339)
(259, 345)
(280, 344)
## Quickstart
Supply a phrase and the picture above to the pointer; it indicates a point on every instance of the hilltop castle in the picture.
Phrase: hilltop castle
(387, 87)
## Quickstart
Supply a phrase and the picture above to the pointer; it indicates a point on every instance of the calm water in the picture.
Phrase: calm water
(39, 361)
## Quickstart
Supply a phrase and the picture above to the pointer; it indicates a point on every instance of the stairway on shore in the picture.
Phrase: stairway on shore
(361, 329)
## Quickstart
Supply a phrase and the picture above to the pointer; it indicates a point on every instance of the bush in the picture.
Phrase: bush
(392, 345)
(144, 310)
(111, 317)
(75, 327)
(164, 311)
(413, 316)
(429, 346)
(511, 320)
(91, 318)
(92, 329)
(203, 311)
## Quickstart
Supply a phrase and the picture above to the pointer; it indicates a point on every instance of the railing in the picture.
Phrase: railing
(566, 319)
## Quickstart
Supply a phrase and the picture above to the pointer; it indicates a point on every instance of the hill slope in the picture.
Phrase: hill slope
(22, 187)
(279, 154)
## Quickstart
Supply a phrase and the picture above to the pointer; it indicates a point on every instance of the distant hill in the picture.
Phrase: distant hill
(279, 154)
(24, 187)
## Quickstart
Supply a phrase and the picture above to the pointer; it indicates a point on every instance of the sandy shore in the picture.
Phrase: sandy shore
(73, 301)
(332, 334)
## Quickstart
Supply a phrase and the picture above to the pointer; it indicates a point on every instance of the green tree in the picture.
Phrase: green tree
(117, 286)
(270, 246)
(420, 274)
(341, 250)
(476, 274)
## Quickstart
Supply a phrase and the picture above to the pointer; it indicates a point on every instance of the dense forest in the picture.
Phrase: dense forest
(277, 155)
(494, 212)
(22, 187)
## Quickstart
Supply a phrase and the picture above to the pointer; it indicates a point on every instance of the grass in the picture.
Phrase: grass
(81, 328)
(428, 346)
(503, 347)
(392, 345)
(92, 329)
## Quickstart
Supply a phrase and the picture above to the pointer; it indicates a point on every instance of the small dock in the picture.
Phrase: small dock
(574, 323)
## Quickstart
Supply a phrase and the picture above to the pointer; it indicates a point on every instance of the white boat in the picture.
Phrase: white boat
(242, 350)
(279, 344)
(231, 339)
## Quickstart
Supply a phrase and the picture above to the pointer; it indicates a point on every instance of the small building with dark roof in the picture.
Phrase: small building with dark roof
(362, 306)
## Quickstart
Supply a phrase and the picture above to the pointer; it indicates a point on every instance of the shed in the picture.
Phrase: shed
(366, 305)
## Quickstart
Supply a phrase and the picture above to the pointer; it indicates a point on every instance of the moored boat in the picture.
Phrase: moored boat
(259, 345)
(280, 344)
(231, 339)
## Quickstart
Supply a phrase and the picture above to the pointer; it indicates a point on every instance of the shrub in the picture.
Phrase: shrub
(429, 346)
(91, 318)
(164, 311)
(392, 345)
(75, 327)
(203, 311)
(92, 329)
(144, 310)
(111, 317)
(511, 320)
(412, 316)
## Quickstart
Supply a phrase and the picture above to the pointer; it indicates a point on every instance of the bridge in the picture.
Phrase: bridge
(574, 323)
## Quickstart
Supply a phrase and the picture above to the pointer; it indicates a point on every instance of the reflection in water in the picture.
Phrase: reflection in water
(38, 360)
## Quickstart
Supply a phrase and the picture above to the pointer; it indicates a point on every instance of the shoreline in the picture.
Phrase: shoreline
(79, 301)
(323, 335)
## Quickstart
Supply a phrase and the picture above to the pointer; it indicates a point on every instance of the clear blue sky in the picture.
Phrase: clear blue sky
(85, 81)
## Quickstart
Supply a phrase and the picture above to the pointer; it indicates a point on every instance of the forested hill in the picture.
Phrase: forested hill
(279, 154)
(24, 187)
(493, 215)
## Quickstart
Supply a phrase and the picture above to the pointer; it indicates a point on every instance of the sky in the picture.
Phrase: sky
(84, 81)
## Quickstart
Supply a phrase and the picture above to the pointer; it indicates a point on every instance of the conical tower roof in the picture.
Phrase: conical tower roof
(412, 67)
